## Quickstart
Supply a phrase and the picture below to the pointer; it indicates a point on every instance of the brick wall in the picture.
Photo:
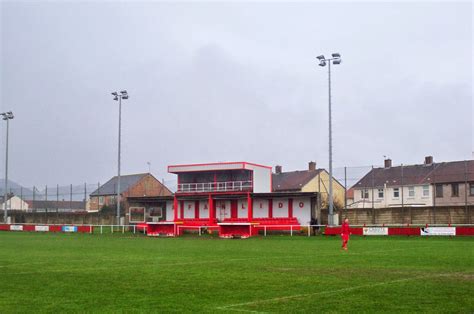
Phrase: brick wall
(406, 215)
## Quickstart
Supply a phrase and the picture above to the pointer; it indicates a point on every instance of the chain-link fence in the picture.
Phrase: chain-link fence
(429, 184)
(57, 198)
(446, 185)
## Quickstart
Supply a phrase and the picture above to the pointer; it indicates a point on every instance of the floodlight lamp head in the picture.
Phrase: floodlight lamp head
(320, 58)
(336, 55)
(123, 92)
(114, 94)
(322, 63)
(115, 98)
(336, 61)
(125, 96)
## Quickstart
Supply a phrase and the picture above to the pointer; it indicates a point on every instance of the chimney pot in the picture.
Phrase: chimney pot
(428, 160)
(388, 163)
(311, 166)
(278, 169)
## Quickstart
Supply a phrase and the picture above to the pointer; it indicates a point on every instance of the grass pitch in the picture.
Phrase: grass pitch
(124, 273)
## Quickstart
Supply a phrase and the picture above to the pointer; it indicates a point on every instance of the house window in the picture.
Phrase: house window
(112, 199)
(471, 189)
(101, 200)
(439, 190)
(396, 192)
(454, 189)
(426, 190)
(364, 193)
(380, 193)
(411, 191)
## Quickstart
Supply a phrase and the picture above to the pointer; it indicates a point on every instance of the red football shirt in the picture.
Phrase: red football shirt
(345, 228)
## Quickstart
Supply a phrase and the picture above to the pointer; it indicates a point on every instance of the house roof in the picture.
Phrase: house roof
(293, 180)
(444, 172)
(126, 182)
(454, 171)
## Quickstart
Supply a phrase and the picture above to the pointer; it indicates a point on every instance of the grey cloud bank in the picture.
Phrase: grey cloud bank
(216, 82)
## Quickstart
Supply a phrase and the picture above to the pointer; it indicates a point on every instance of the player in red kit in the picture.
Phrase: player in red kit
(345, 233)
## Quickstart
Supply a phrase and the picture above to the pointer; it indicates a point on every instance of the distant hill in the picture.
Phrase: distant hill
(17, 189)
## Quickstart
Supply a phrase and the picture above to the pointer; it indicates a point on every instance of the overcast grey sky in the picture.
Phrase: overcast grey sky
(230, 82)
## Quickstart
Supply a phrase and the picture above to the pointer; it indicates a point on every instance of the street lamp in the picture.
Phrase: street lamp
(336, 59)
(118, 97)
(7, 116)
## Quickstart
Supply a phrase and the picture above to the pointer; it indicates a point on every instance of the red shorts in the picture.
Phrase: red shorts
(345, 237)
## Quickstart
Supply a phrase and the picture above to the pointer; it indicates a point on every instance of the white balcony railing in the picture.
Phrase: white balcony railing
(229, 186)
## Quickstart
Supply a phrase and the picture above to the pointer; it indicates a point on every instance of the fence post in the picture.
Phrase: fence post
(98, 193)
(21, 197)
(309, 228)
(434, 196)
(123, 228)
(373, 187)
(373, 195)
(34, 197)
(466, 189)
(345, 189)
(134, 229)
(100, 229)
(402, 182)
(291, 230)
(111, 228)
(265, 231)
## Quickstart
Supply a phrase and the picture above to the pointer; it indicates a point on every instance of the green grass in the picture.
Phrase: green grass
(126, 273)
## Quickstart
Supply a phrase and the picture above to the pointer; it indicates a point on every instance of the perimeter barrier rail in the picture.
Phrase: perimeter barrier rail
(265, 230)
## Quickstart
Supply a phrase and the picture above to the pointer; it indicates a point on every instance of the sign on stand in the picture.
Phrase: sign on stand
(375, 231)
(438, 231)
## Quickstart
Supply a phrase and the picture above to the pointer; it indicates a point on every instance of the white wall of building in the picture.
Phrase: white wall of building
(302, 210)
(222, 209)
(169, 211)
(413, 195)
(280, 207)
(188, 209)
(204, 209)
(260, 208)
(15, 203)
(242, 211)
(262, 179)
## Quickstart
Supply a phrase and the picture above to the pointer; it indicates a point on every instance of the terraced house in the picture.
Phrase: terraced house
(427, 184)
(134, 185)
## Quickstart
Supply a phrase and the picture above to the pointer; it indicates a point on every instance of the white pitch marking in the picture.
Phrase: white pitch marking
(297, 296)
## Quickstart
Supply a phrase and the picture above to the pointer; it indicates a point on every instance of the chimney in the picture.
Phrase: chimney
(388, 163)
(278, 169)
(311, 166)
(428, 160)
